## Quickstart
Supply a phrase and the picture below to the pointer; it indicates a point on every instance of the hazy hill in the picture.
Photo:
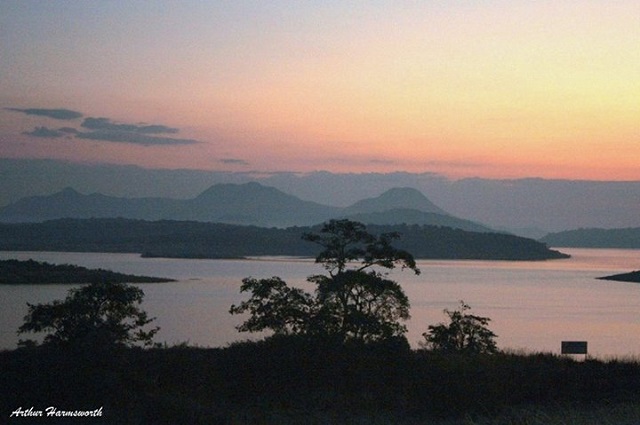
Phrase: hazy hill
(595, 238)
(70, 203)
(247, 204)
(395, 198)
(528, 206)
(183, 239)
(409, 216)
(253, 204)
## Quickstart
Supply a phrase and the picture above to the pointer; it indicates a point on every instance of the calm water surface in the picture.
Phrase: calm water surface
(533, 305)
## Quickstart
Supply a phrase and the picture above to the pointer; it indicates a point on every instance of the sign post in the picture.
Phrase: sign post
(574, 347)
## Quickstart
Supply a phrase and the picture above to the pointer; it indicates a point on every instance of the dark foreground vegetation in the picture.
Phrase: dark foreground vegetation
(299, 380)
(338, 355)
(35, 272)
(190, 239)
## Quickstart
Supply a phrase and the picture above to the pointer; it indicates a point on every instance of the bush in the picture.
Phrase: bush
(465, 333)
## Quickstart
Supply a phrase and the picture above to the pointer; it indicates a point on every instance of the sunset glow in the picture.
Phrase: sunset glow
(493, 89)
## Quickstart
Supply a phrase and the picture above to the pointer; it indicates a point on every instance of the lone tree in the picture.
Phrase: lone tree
(353, 301)
(95, 315)
(465, 333)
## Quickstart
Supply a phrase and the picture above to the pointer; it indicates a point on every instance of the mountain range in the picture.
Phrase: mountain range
(531, 207)
(246, 204)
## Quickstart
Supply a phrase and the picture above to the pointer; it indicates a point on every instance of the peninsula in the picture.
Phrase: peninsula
(624, 277)
(15, 272)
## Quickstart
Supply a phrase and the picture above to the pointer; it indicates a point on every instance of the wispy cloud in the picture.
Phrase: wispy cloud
(45, 132)
(58, 114)
(234, 161)
(103, 129)
(132, 137)
(382, 161)
(105, 124)
(51, 133)
(139, 134)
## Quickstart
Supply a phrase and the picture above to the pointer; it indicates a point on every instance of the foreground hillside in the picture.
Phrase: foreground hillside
(296, 381)
(184, 239)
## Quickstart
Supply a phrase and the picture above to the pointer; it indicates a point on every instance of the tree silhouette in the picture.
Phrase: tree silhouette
(275, 306)
(346, 241)
(465, 333)
(95, 315)
(354, 300)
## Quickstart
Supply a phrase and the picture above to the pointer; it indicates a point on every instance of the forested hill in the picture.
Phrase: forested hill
(35, 272)
(187, 239)
(628, 238)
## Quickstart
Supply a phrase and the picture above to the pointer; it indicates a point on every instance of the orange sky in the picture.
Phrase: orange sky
(492, 89)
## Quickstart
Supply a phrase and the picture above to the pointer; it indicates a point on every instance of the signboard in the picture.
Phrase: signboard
(574, 347)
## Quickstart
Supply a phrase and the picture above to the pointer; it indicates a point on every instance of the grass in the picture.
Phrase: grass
(300, 381)
(618, 414)
(621, 414)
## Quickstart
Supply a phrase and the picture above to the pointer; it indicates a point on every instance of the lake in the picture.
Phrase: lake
(533, 305)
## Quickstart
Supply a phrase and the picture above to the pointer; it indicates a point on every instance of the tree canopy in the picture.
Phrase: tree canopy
(274, 305)
(346, 241)
(95, 315)
(465, 333)
(355, 300)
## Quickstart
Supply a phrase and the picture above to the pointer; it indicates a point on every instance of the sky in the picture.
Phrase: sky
(493, 89)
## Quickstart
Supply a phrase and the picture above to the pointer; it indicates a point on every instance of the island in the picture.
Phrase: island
(624, 277)
(191, 239)
(15, 272)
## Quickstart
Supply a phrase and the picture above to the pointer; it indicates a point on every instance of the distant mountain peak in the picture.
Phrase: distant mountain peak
(240, 191)
(68, 191)
(402, 191)
(396, 198)
(245, 203)
(403, 194)
(254, 203)
(411, 216)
